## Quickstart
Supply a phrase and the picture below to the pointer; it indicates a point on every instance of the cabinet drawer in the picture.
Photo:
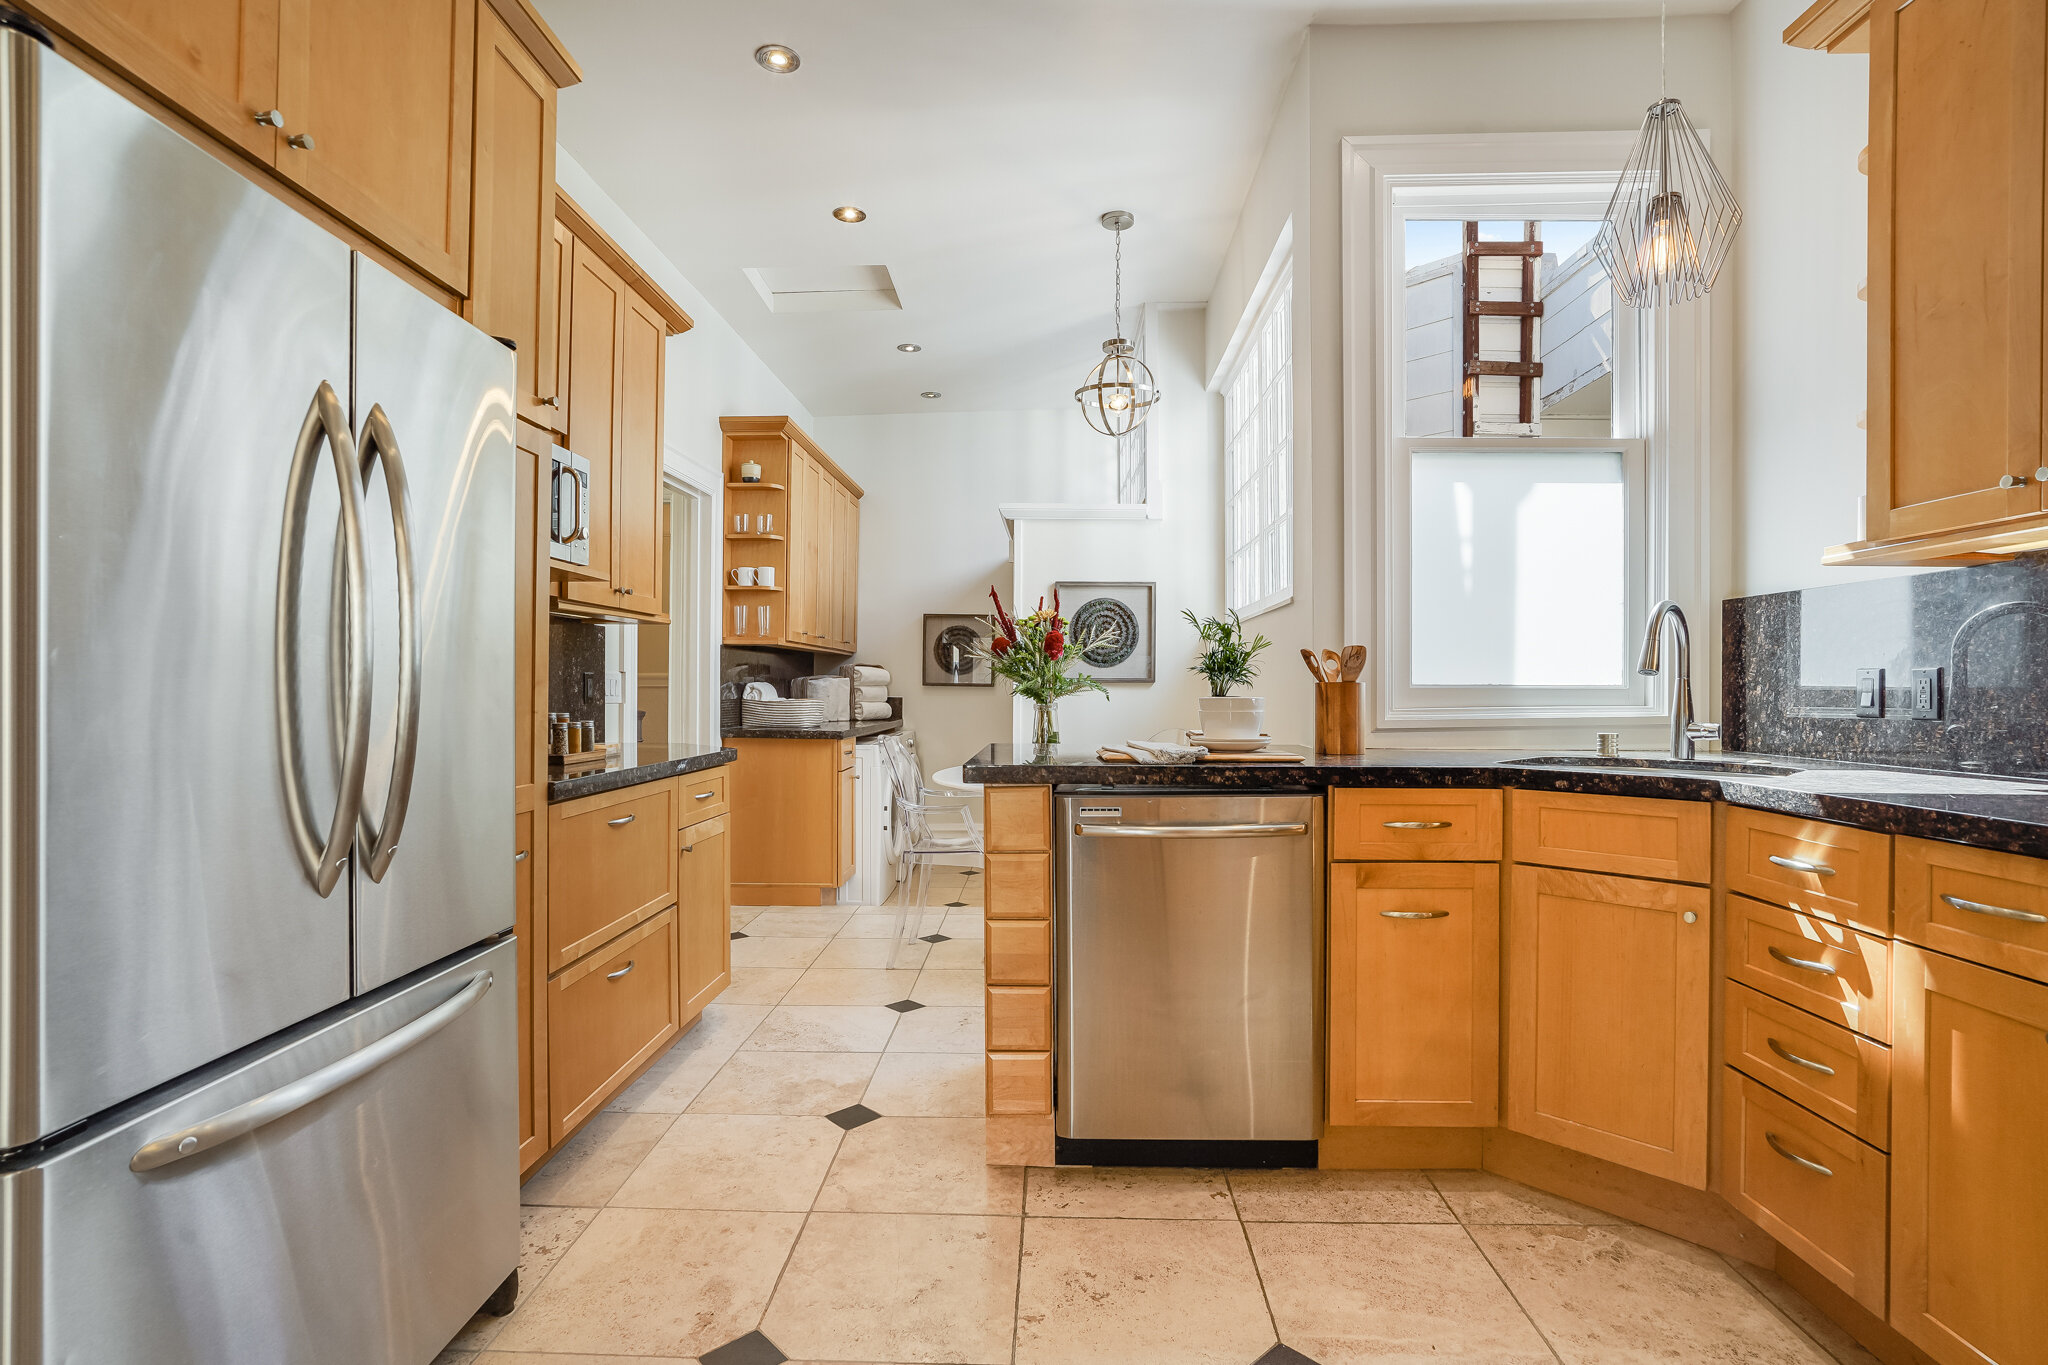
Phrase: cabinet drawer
(1394, 825)
(1830, 871)
(1842, 1076)
(1809, 1184)
(609, 1014)
(1019, 952)
(1018, 885)
(1975, 904)
(1669, 840)
(700, 795)
(1823, 968)
(1019, 1018)
(1017, 819)
(845, 754)
(611, 864)
(1020, 1082)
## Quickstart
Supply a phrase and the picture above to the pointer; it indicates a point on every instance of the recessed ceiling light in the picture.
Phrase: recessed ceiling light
(847, 213)
(909, 346)
(929, 393)
(777, 58)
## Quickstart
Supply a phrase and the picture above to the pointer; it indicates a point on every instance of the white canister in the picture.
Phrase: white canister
(749, 472)
(1232, 717)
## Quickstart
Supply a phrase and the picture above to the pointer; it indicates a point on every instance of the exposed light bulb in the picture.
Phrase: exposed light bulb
(1118, 402)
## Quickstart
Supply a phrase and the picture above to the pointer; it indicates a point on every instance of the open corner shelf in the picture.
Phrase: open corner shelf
(770, 487)
(751, 535)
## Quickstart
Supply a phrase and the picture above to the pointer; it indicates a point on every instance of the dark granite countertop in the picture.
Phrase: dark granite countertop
(1986, 812)
(863, 730)
(633, 764)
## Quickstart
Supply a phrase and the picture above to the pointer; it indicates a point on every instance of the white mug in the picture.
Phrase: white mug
(765, 575)
(743, 578)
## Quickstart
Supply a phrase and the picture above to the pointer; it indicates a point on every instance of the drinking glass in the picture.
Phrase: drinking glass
(739, 620)
(764, 621)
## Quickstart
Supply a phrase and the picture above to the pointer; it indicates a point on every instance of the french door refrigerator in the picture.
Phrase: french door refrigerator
(257, 1039)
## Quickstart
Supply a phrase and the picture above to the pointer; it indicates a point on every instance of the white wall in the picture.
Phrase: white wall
(1801, 117)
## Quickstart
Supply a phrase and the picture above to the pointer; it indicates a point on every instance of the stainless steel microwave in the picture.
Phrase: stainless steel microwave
(569, 525)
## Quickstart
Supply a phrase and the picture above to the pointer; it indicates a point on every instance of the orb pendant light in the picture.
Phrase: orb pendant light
(1673, 218)
(1118, 392)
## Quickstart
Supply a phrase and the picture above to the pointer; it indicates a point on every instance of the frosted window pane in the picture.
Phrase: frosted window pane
(1519, 569)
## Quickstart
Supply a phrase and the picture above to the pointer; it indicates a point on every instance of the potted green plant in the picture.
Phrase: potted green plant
(1228, 659)
(1037, 657)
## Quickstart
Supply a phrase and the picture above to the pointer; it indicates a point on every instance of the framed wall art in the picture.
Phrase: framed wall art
(1127, 659)
(948, 641)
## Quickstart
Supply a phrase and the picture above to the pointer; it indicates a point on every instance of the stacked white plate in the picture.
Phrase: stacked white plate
(795, 712)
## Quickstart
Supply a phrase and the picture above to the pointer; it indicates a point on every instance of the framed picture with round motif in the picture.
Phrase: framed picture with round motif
(949, 639)
(1129, 657)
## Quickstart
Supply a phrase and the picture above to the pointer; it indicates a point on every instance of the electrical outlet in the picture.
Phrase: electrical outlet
(614, 687)
(590, 692)
(1926, 694)
(1869, 691)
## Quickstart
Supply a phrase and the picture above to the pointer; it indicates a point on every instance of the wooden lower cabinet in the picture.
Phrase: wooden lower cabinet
(1626, 835)
(704, 911)
(1607, 1017)
(792, 821)
(1407, 824)
(1822, 967)
(1969, 1219)
(1414, 994)
(610, 866)
(528, 869)
(607, 1016)
(1017, 950)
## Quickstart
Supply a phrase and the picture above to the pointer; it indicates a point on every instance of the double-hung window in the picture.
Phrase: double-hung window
(1521, 453)
(1258, 456)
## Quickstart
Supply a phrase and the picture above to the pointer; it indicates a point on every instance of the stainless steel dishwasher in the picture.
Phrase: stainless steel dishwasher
(1188, 950)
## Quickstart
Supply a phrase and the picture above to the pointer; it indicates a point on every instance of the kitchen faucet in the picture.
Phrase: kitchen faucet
(1683, 729)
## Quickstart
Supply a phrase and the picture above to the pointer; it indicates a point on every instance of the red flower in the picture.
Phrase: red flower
(999, 646)
(1055, 645)
(1003, 621)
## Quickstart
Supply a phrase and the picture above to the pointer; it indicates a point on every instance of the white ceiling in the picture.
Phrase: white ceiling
(982, 137)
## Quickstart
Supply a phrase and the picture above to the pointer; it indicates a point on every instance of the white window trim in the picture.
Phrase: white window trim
(1677, 522)
(1277, 274)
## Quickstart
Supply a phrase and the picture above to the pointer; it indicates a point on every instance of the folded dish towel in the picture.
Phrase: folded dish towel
(1145, 751)
(867, 675)
(864, 711)
(871, 694)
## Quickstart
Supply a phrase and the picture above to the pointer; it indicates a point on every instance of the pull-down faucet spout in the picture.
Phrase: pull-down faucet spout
(1684, 730)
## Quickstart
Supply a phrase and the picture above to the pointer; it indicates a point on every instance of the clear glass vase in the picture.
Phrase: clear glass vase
(1045, 726)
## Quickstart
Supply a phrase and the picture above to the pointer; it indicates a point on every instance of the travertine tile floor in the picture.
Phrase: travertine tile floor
(802, 1178)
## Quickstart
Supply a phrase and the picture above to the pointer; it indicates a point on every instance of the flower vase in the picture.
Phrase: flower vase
(1045, 726)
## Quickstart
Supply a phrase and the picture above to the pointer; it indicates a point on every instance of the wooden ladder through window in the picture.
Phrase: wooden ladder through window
(1526, 369)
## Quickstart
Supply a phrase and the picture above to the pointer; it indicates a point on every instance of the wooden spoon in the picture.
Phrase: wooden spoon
(1354, 662)
(1333, 665)
(1315, 666)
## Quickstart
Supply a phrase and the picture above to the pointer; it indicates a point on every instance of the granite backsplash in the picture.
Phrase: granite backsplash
(1789, 663)
(576, 650)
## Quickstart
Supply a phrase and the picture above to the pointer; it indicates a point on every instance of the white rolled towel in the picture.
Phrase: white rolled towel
(865, 711)
(868, 675)
(880, 694)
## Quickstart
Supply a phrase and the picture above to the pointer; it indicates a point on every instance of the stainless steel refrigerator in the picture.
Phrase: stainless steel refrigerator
(257, 1039)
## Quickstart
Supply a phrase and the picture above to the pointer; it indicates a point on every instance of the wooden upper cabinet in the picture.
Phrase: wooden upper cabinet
(1956, 306)
(637, 570)
(560, 273)
(597, 307)
(215, 60)
(814, 548)
(512, 218)
(377, 97)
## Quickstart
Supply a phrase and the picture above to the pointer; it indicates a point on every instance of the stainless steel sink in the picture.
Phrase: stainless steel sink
(1725, 767)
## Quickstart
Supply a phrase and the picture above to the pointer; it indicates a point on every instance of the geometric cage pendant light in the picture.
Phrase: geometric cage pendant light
(1672, 219)
(1118, 393)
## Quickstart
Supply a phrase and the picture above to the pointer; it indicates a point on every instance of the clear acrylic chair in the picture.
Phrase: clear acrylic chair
(931, 826)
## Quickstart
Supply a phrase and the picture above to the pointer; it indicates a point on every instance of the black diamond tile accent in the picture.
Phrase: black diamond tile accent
(935, 938)
(904, 1006)
(1281, 1354)
(737, 934)
(751, 1349)
(849, 1118)
(956, 905)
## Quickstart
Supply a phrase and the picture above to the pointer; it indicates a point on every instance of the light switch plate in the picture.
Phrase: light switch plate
(1926, 694)
(1869, 691)
(614, 687)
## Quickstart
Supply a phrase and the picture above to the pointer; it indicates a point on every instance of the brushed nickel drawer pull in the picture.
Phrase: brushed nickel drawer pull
(702, 796)
(520, 856)
(614, 976)
(1794, 1157)
(1802, 865)
(1415, 824)
(1804, 964)
(1414, 914)
(622, 820)
(1980, 908)
(1796, 1059)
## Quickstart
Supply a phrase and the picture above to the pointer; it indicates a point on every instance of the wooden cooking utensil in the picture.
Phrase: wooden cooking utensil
(1315, 665)
(1353, 661)
(1333, 665)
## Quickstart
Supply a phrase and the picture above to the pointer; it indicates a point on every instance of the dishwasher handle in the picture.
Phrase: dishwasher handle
(1187, 831)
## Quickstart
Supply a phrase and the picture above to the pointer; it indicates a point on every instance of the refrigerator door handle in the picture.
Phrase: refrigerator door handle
(376, 847)
(323, 860)
(286, 1099)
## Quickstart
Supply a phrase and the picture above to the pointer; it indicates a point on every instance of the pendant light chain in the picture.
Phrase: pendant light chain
(1663, 51)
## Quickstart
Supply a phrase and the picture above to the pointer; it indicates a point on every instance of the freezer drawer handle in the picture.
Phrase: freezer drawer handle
(374, 847)
(1414, 914)
(286, 1099)
(1415, 824)
(1803, 865)
(326, 420)
(1797, 1160)
(1186, 831)
(1804, 964)
(1980, 908)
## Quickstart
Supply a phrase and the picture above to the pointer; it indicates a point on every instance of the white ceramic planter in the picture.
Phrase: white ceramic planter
(1233, 717)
